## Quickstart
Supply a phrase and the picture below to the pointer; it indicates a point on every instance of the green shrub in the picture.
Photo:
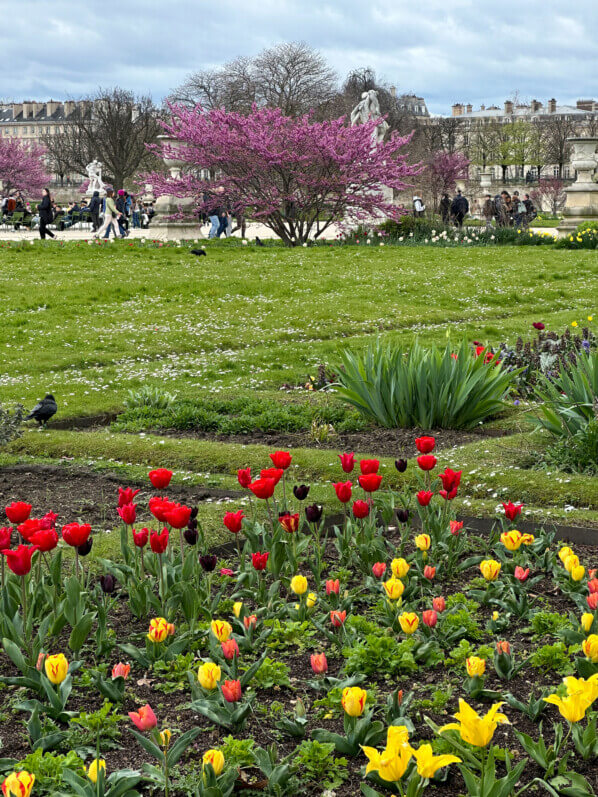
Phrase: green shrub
(587, 225)
(380, 654)
(569, 400)
(147, 396)
(548, 623)
(423, 387)
(10, 423)
(576, 454)
(585, 239)
(48, 769)
(552, 657)
(317, 763)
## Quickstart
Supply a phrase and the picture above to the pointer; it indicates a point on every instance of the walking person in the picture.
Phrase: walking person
(445, 209)
(519, 211)
(45, 215)
(418, 207)
(94, 209)
(488, 211)
(530, 211)
(459, 208)
(110, 217)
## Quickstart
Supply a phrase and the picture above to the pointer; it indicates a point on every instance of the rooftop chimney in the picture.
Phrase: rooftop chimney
(482, 107)
(458, 109)
(552, 105)
(508, 106)
(585, 105)
(535, 106)
(469, 107)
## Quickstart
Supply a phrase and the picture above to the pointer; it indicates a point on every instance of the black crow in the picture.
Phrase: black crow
(44, 410)
(258, 242)
(198, 252)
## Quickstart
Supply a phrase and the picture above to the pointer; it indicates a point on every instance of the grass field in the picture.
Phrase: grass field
(89, 324)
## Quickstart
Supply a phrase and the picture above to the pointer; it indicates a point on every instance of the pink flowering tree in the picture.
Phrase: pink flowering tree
(295, 175)
(442, 171)
(22, 167)
(550, 191)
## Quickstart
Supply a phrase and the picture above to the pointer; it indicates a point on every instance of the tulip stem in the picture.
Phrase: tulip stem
(77, 562)
(182, 547)
(270, 515)
(26, 636)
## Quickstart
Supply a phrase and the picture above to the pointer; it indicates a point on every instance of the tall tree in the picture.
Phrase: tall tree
(113, 127)
(558, 129)
(22, 167)
(297, 176)
(291, 76)
(442, 171)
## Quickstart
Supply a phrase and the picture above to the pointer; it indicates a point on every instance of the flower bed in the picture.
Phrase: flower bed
(312, 658)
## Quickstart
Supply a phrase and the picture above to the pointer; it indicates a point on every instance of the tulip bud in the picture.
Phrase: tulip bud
(300, 491)
(475, 666)
(593, 585)
(216, 760)
(429, 572)
(108, 583)
(318, 663)
(231, 691)
(333, 586)
(401, 466)
(586, 621)
(402, 515)
(250, 621)
(191, 535)
(299, 585)
(56, 668)
(84, 549)
(94, 769)
(230, 649)
(353, 700)
(495, 616)
(578, 572)
(208, 562)
(439, 604)
(503, 647)
(378, 569)
(313, 513)
(430, 618)
(165, 737)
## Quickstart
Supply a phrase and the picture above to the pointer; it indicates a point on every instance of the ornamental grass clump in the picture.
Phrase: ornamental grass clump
(430, 388)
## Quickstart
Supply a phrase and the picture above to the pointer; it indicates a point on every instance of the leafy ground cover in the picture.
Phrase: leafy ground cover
(306, 655)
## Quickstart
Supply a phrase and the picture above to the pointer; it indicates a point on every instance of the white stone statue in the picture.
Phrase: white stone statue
(94, 172)
(365, 111)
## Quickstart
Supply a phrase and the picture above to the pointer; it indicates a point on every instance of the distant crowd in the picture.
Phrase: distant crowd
(124, 208)
(503, 210)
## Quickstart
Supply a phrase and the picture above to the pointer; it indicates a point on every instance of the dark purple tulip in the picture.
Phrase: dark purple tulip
(194, 512)
(313, 513)
(539, 325)
(300, 491)
(402, 515)
(208, 562)
(108, 583)
(191, 535)
(401, 465)
(84, 549)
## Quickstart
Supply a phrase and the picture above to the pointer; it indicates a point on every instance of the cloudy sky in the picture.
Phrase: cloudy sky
(446, 50)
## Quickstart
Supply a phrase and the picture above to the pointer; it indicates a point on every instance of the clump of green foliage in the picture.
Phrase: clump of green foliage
(552, 657)
(317, 763)
(48, 769)
(10, 423)
(380, 654)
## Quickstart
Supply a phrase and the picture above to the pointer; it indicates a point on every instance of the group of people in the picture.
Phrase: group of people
(120, 212)
(505, 210)
(452, 211)
(215, 209)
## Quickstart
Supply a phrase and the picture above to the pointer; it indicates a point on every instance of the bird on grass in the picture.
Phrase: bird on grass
(258, 241)
(198, 252)
(43, 410)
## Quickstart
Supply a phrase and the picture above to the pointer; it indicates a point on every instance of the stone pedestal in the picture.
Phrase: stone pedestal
(582, 197)
(166, 228)
(486, 181)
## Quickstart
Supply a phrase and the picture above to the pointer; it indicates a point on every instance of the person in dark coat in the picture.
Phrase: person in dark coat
(459, 208)
(94, 209)
(45, 215)
(445, 209)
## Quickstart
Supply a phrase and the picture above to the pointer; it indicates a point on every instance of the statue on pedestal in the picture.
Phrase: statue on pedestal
(366, 110)
(94, 172)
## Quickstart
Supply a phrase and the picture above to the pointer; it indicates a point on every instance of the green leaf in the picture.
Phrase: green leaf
(81, 631)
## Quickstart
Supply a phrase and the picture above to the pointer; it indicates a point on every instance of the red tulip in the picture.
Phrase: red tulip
(159, 507)
(234, 521)
(290, 523)
(281, 459)
(338, 618)
(160, 478)
(140, 538)
(361, 509)
(263, 488)
(230, 649)
(427, 461)
(144, 719)
(592, 601)
(429, 572)
(226, 571)
(272, 473)
(231, 691)
(19, 560)
(448, 496)
(455, 526)
(521, 574)
(593, 585)
(18, 512)
(333, 586)
(128, 513)
(318, 663)
(424, 497)
(45, 539)
(126, 495)
(430, 618)
(347, 462)
(539, 325)
(370, 482)
(369, 466)
(512, 510)
(343, 491)
(425, 444)
(250, 621)
(260, 560)
(450, 479)
(5, 537)
(379, 569)
(439, 604)
(121, 670)
(178, 516)
(244, 477)
(75, 534)
(503, 647)
(29, 527)
(48, 521)
(159, 542)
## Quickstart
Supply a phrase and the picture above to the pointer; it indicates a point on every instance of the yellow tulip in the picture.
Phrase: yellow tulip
(353, 700)
(18, 784)
(299, 585)
(94, 769)
(586, 621)
(578, 573)
(564, 553)
(237, 606)
(580, 696)
(474, 729)
(495, 615)
(511, 540)
(158, 629)
(423, 542)
(428, 764)
(393, 761)
(312, 599)
(475, 666)
(527, 539)
(56, 668)
(571, 562)
(409, 622)
(165, 737)
(590, 647)
(400, 567)
(209, 674)
(216, 759)
(221, 630)
(574, 323)
(590, 318)
(490, 569)
(394, 588)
